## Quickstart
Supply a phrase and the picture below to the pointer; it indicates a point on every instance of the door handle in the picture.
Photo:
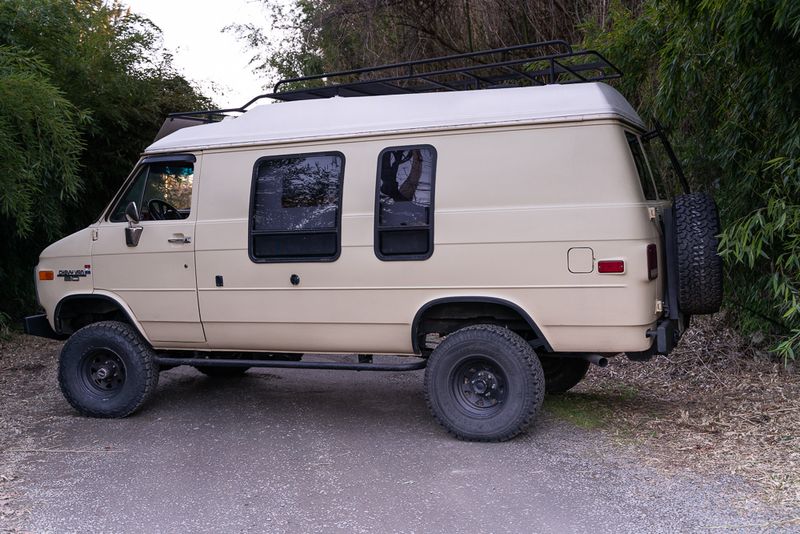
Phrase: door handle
(180, 238)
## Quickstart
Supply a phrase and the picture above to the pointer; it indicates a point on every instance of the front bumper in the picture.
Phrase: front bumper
(38, 325)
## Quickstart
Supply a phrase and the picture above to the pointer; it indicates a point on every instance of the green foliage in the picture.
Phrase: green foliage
(309, 37)
(84, 87)
(725, 75)
(39, 146)
(39, 149)
(111, 64)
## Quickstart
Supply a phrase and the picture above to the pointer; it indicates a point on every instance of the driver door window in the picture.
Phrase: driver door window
(161, 191)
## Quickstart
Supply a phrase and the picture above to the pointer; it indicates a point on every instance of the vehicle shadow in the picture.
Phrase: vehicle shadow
(320, 399)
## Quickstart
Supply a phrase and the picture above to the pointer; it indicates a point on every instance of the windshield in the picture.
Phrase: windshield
(659, 171)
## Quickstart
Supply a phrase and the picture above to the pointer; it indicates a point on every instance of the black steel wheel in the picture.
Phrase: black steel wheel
(484, 383)
(479, 386)
(103, 371)
(107, 369)
(563, 374)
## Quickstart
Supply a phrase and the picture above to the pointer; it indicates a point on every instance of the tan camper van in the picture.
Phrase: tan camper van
(502, 218)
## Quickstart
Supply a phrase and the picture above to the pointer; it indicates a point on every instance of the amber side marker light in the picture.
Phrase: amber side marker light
(610, 266)
(46, 275)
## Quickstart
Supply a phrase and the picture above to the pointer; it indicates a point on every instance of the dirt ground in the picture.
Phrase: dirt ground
(716, 404)
(716, 407)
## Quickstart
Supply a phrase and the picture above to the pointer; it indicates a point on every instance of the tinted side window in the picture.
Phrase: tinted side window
(664, 173)
(641, 166)
(296, 208)
(404, 211)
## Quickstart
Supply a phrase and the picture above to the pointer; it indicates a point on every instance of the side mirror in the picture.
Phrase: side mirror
(132, 232)
(132, 213)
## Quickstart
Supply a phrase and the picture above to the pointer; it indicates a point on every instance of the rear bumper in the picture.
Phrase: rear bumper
(665, 335)
(38, 325)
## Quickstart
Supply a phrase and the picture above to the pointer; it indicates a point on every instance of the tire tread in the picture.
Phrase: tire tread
(699, 264)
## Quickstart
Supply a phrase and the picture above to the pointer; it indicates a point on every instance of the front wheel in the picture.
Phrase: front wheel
(106, 369)
(484, 383)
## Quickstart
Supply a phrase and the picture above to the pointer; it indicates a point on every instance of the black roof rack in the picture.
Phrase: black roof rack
(547, 62)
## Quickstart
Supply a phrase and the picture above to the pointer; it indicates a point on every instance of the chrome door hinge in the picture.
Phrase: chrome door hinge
(652, 213)
(94, 234)
(659, 306)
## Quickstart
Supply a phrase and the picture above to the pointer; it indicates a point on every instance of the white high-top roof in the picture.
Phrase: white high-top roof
(358, 116)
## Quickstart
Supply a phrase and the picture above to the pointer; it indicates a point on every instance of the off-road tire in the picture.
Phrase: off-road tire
(562, 374)
(222, 372)
(517, 371)
(699, 264)
(122, 346)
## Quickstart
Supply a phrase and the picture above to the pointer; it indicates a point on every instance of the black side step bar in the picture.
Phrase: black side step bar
(341, 366)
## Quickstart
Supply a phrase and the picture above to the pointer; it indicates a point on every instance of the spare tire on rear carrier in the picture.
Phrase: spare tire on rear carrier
(699, 265)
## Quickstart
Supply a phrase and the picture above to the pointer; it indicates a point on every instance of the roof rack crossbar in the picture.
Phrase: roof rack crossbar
(576, 74)
(530, 77)
(396, 87)
(543, 63)
(438, 84)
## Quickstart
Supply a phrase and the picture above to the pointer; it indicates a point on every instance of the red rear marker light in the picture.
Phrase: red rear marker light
(610, 266)
(652, 262)
(45, 275)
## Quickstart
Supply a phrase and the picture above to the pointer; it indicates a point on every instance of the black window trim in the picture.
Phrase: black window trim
(128, 183)
(251, 214)
(167, 158)
(377, 229)
(644, 174)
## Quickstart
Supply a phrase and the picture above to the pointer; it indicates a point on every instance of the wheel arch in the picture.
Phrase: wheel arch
(477, 303)
(79, 309)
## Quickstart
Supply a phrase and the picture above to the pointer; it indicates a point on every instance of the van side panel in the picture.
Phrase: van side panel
(510, 203)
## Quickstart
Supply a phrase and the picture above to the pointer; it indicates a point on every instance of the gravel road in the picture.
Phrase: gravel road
(332, 451)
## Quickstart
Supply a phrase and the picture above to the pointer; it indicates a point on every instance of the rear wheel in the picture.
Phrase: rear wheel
(563, 374)
(106, 369)
(484, 383)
